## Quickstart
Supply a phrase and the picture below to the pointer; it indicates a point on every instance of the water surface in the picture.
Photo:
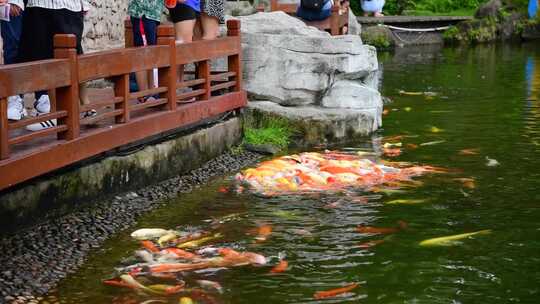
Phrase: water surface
(486, 99)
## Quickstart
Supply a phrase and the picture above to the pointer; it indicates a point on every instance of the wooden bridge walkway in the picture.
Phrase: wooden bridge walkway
(121, 119)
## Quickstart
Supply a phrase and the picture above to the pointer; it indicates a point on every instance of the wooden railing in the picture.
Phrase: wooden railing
(336, 24)
(120, 120)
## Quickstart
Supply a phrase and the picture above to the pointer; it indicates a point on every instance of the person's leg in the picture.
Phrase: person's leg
(37, 44)
(69, 22)
(138, 40)
(11, 34)
(150, 30)
(183, 17)
(210, 27)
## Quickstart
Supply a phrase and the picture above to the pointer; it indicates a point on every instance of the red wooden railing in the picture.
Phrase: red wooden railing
(24, 155)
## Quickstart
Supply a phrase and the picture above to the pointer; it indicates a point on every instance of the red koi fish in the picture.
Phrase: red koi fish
(334, 292)
(280, 267)
(382, 230)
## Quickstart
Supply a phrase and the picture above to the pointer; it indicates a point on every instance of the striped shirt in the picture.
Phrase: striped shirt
(72, 5)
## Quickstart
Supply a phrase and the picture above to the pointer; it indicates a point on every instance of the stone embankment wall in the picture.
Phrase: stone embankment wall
(104, 25)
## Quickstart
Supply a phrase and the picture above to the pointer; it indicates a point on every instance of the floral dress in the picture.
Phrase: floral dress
(214, 8)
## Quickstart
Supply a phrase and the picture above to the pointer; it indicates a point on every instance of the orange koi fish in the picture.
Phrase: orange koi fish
(334, 292)
(280, 267)
(467, 182)
(370, 244)
(179, 253)
(149, 246)
(469, 151)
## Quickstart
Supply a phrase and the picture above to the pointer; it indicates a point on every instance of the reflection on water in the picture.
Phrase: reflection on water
(484, 107)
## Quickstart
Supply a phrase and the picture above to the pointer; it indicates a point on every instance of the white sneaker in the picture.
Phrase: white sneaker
(41, 125)
(16, 110)
(43, 104)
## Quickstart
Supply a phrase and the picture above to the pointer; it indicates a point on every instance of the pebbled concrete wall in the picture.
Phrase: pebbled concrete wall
(59, 192)
(104, 25)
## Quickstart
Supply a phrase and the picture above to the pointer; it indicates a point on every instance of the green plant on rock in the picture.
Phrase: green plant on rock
(266, 129)
(451, 34)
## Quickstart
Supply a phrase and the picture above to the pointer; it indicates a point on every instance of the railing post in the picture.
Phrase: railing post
(68, 97)
(235, 61)
(273, 5)
(203, 72)
(168, 76)
(121, 89)
(128, 33)
(4, 134)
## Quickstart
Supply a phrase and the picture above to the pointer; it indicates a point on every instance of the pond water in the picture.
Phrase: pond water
(485, 100)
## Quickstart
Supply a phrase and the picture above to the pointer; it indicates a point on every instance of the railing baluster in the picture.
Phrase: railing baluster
(235, 61)
(203, 72)
(167, 76)
(128, 33)
(4, 139)
(334, 21)
(121, 89)
(68, 97)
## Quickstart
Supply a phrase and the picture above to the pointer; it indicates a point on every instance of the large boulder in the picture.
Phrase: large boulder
(315, 125)
(290, 63)
(489, 9)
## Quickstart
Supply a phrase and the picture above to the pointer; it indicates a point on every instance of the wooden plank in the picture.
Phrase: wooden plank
(100, 117)
(101, 104)
(24, 167)
(4, 134)
(149, 104)
(206, 49)
(29, 77)
(224, 85)
(189, 83)
(193, 93)
(118, 62)
(37, 134)
(42, 117)
(148, 92)
(222, 76)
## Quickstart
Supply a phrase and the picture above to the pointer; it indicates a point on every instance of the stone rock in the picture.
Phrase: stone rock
(317, 125)
(489, 9)
(531, 31)
(262, 149)
(351, 94)
(507, 28)
(354, 26)
(239, 8)
(292, 64)
(379, 36)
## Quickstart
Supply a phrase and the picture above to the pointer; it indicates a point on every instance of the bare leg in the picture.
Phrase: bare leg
(210, 27)
(183, 34)
(83, 93)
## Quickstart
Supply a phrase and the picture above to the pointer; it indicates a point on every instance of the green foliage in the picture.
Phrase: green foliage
(428, 7)
(451, 34)
(267, 130)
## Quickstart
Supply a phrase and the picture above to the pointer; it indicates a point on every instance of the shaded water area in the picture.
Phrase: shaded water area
(487, 101)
